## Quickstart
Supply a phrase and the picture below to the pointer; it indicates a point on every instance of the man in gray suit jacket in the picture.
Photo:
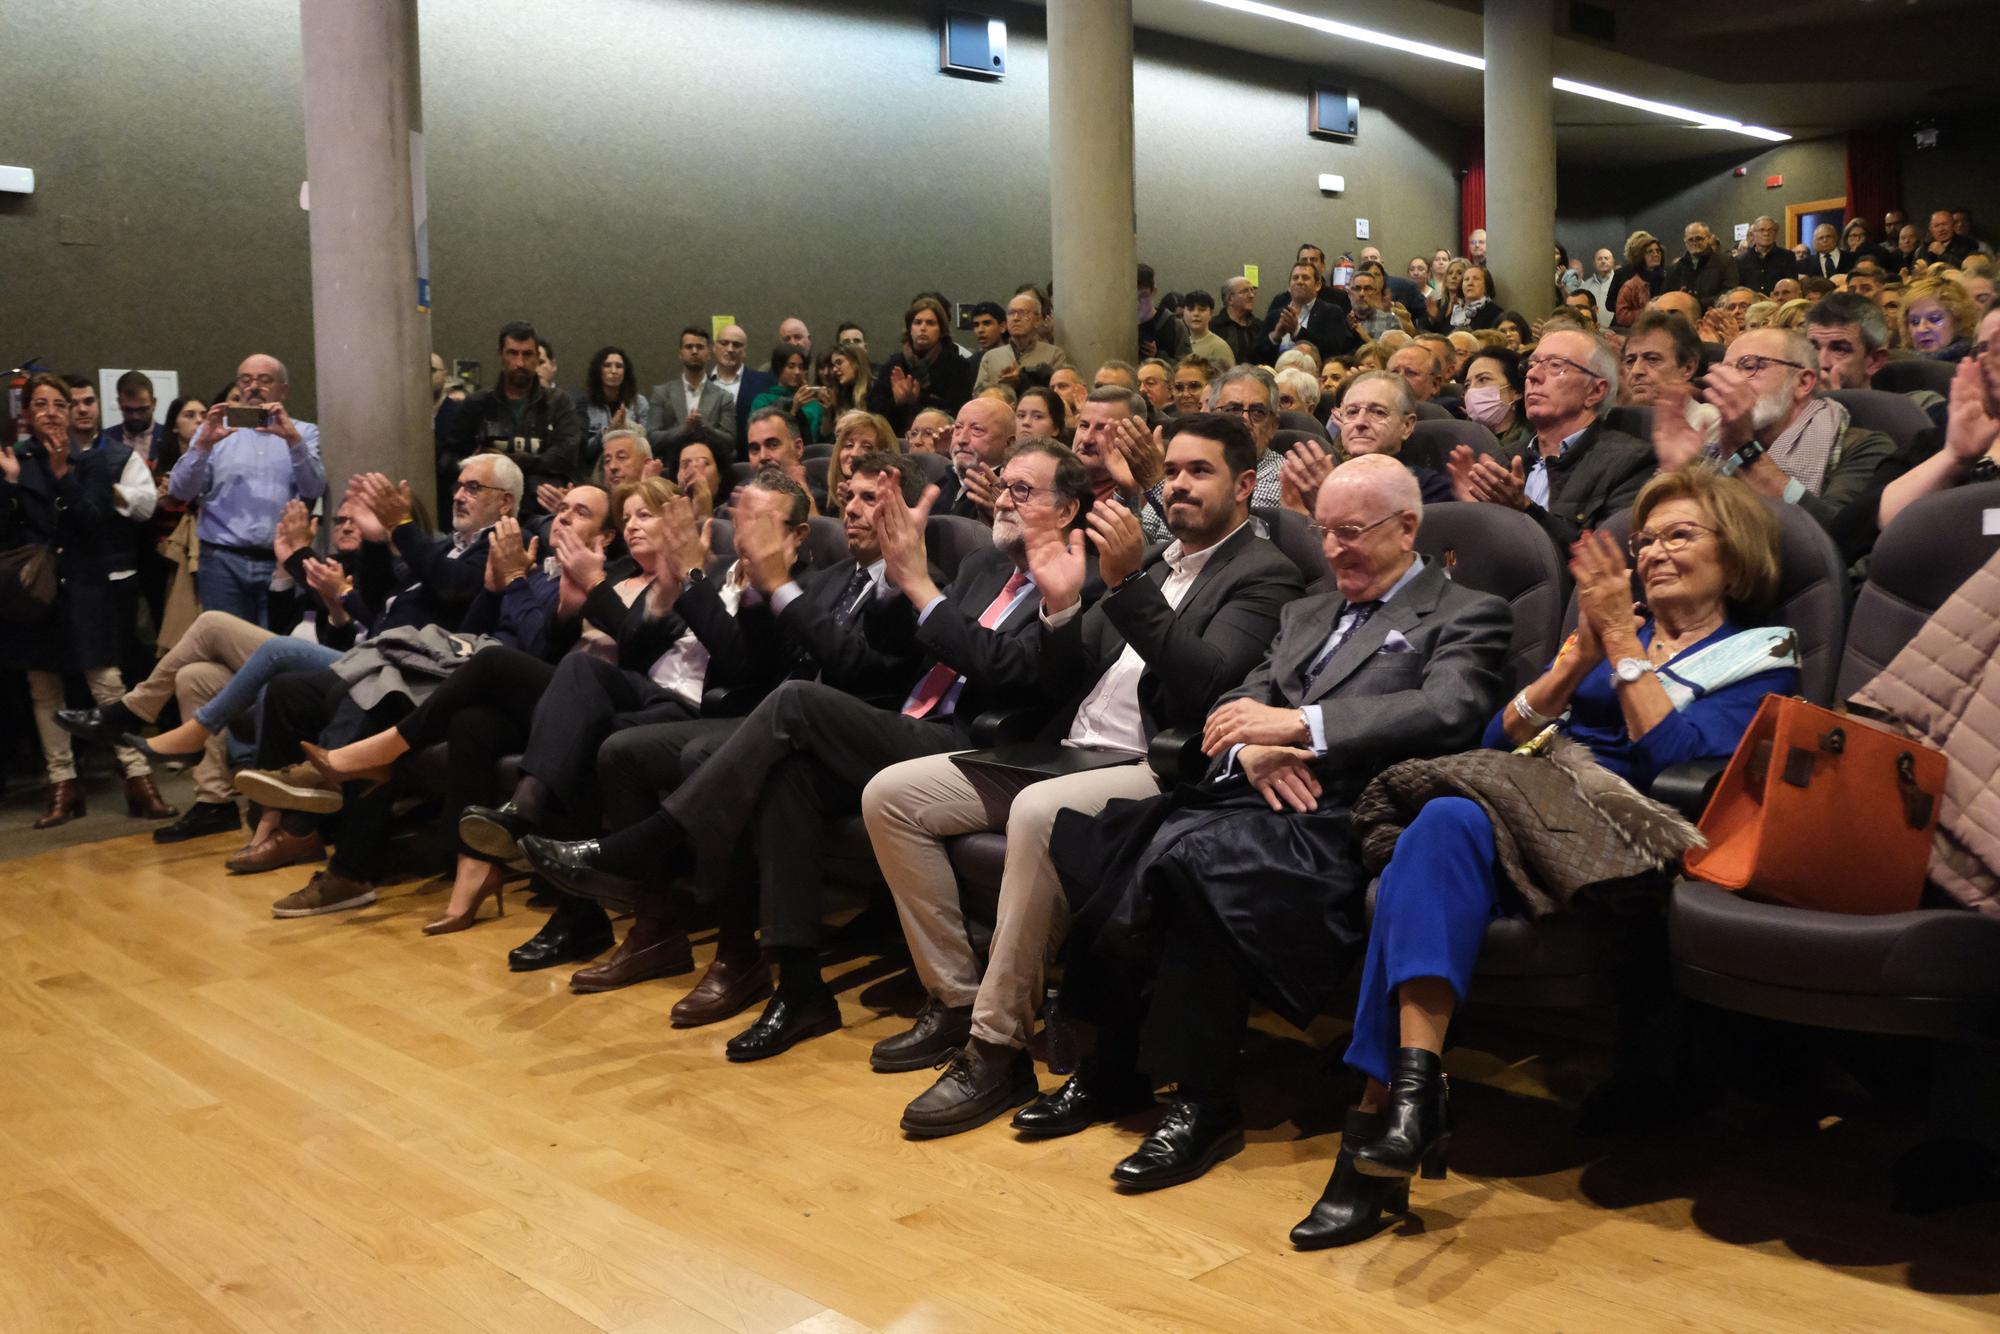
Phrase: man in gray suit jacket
(1190, 906)
(1177, 631)
(692, 401)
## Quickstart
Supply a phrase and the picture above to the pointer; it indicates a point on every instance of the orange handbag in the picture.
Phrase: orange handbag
(1823, 810)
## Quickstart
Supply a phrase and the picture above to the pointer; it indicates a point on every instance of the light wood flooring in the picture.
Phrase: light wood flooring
(211, 1120)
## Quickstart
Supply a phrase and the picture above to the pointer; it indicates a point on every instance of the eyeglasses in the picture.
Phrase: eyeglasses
(1257, 410)
(1358, 412)
(1554, 367)
(475, 489)
(267, 380)
(1347, 534)
(1671, 540)
(1751, 364)
(1022, 492)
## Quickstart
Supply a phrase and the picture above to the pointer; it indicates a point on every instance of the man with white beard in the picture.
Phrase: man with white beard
(1772, 429)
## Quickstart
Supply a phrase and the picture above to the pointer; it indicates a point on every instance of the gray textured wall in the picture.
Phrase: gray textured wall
(614, 169)
(1602, 208)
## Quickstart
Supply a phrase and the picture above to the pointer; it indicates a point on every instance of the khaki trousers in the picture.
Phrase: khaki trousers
(45, 689)
(912, 808)
(201, 662)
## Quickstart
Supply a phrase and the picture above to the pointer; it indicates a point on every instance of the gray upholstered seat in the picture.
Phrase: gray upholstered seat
(1906, 375)
(1290, 420)
(1503, 552)
(1428, 411)
(1431, 443)
(1635, 421)
(1895, 415)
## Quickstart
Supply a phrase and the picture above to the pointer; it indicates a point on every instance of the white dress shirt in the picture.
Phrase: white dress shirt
(1109, 717)
(1315, 717)
(682, 669)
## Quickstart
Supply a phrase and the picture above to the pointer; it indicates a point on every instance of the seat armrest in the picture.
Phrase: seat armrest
(730, 701)
(1175, 757)
(1004, 727)
(1687, 786)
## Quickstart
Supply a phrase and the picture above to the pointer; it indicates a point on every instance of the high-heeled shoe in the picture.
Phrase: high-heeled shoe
(1416, 1123)
(145, 747)
(451, 922)
(1353, 1207)
(322, 759)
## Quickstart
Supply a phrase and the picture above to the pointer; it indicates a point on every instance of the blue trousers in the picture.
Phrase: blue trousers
(237, 584)
(1437, 894)
(273, 657)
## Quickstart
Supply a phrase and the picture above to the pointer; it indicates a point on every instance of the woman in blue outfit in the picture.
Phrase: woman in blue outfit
(1501, 830)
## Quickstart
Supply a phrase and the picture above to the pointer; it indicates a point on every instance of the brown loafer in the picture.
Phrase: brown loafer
(279, 850)
(654, 947)
(65, 804)
(143, 800)
(730, 986)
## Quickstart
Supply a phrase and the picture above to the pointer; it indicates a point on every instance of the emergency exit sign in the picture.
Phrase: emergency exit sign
(1773, 182)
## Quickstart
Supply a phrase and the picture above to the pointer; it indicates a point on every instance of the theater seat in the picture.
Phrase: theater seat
(826, 543)
(816, 470)
(1431, 442)
(1291, 532)
(1290, 420)
(1504, 552)
(1428, 411)
(1906, 375)
(950, 538)
(1895, 415)
(1636, 421)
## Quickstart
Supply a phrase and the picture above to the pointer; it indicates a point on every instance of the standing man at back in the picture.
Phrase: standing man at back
(535, 425)
(243, 477)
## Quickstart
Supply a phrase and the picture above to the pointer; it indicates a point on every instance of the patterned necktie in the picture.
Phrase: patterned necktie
(1362, 611)
(845, 610)
(937, 682)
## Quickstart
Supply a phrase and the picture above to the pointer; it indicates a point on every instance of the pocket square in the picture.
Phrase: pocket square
(1395, 643)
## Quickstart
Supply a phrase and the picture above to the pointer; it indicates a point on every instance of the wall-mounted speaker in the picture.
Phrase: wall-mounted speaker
(1334, 113)
(974, 45)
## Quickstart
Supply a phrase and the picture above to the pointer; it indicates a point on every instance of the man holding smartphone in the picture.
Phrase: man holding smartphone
(246, 462)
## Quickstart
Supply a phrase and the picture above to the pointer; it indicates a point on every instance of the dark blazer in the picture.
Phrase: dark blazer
(78, 515)
(1850, 258)
(1168, 335)
(754, 383)
(1001, 666)
(945, 383)
(1326, 329)
(807, 636)
(669, 424)
(1379, 704)
(1599, 476)
(550, 436)
(1760, 273)
(440, 587)
(1708, 278)
(1223, 627)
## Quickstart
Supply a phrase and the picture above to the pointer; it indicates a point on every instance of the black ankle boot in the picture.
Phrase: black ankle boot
(1416, 1124)
(1353, 1207)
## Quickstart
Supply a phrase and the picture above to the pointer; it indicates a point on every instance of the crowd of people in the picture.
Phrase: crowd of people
(630, 594)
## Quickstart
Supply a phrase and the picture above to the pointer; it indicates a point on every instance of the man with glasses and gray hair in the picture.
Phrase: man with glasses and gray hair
(1773, 429)
(1575, 472)
(243, 477)
(1251, 393)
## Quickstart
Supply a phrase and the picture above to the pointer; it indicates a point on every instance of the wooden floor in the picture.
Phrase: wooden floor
(213, 1120)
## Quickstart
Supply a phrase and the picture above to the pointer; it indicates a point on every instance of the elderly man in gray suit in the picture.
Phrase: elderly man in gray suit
(691, 402)
(1247, 887)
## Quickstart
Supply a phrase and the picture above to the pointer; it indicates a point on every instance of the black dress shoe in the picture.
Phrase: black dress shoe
(1416, 1123)
(939, 1031)
(577, 930)
(1191, 1138)
(202, 818)
(572, 868)
(494, 831)
(1085, 1098)
(787, 1021)
(1353, 1207)
(980, 1082)
(106, 724)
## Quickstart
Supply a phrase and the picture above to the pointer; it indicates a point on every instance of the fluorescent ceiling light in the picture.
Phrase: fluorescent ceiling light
(1355, 33)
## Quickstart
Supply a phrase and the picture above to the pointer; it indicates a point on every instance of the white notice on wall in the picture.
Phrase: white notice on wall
(1742, 232)
(166, 388)
(1361, 229)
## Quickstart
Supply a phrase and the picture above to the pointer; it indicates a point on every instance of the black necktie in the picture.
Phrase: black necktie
(850, 597)
(1362, 611)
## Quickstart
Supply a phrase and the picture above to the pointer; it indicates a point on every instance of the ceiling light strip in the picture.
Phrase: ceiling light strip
(1465, 59)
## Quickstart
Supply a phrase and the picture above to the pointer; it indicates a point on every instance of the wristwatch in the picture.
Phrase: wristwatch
(1631, 669)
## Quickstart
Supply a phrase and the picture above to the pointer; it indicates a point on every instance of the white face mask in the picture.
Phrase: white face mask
(1485, 405)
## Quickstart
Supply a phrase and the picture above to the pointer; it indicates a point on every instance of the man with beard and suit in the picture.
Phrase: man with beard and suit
(807, 750)
(1188, 906)
(1173, 633)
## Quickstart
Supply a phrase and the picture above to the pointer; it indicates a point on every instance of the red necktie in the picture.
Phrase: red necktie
(937, 682)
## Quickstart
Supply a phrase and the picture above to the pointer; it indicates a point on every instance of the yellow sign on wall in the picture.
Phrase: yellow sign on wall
(1250, 272)
(717, 323)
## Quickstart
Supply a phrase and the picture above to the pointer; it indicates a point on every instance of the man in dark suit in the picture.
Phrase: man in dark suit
(1308, 316)
(1173, 633)
(801, 625)
(808, 749)
(1249, 887)
(1575, 472)
(742, 383)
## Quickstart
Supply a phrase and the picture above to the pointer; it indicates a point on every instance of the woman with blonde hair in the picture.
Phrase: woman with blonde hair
(856, 434)
(1938, 319)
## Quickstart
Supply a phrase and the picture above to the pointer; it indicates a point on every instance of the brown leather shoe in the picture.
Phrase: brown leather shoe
(731, 985)
(281, 849)
(654, 947)
(65, 804)
(143, 800)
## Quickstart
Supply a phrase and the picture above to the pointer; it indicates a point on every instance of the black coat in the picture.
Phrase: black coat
(1760, 273)
(943, 382)
(79, 515)
(1327, 329)
(547, 443)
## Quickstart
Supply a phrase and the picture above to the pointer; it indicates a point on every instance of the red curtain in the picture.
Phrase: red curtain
(1471, 189)
(1874, 173)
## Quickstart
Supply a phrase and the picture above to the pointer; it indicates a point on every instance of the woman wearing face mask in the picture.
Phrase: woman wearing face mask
(1493, 385)
(926, 372)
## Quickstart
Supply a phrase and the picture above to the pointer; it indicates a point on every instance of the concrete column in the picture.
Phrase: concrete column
(1090, 180)
(371, 342)
(1521, 153)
